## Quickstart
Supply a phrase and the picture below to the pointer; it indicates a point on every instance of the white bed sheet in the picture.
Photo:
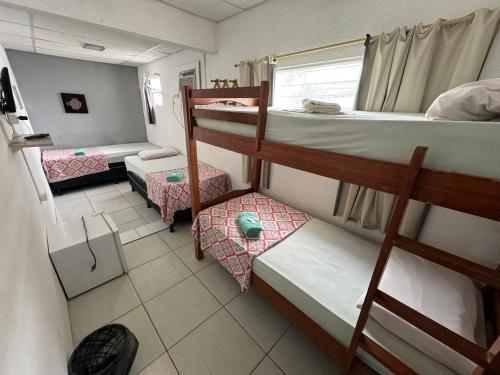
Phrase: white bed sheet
(116, 153)
(323, 270)
(455, 146)
(142, 167)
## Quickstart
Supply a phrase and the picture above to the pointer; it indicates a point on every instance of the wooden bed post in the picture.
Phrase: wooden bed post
(404, 195)
(260, 132)
(192, 160)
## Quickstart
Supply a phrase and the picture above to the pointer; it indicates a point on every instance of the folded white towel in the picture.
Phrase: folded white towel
(317, 106)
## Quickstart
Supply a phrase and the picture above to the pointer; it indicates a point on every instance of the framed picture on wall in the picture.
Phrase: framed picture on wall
(74, 103)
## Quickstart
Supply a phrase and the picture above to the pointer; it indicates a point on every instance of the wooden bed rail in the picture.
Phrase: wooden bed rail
(470, 194)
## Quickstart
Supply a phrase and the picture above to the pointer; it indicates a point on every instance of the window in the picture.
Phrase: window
(333, 81)
(155, 84)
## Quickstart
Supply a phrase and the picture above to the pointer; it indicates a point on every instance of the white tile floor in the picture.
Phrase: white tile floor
(189, 316)
(127, 208)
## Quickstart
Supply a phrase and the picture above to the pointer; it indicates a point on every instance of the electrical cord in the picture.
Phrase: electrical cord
(174, 102)
(92, 269)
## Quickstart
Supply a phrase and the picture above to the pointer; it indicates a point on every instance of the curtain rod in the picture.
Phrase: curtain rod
(275, 59)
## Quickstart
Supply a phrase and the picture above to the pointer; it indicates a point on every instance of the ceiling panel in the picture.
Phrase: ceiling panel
(167, 48)
(244, 4)
(74, 55)
(14, 39)
(78, 41)
(91, 31)
(17, 47)
(147, 57)
(79, 50)
(214, 10)
(15, 29)
(14, 15)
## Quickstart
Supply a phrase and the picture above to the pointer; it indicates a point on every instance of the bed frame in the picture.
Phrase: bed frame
(117, 172)
(470, 194)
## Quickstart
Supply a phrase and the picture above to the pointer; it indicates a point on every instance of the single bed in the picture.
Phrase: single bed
(112, 155)
(318, 267)
(474, 145)
(137, 169)
(172, 201)
(322, 269)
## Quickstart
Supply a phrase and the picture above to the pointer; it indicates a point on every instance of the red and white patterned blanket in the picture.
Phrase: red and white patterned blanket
(61, 165)
(219, 234)
(176, 196)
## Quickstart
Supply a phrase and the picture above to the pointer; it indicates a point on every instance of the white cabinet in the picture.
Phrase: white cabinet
(73, 260)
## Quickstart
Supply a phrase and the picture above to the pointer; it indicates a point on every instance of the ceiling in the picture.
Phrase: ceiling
(214, 10)
(53, 35)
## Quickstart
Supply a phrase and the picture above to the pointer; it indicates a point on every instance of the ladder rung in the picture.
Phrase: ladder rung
(436, 330)
(466, 267)
(389, 360)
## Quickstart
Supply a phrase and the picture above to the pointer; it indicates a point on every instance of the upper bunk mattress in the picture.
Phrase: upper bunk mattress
(323, 270)
(454, 146)
(116, 153)
(142, 167)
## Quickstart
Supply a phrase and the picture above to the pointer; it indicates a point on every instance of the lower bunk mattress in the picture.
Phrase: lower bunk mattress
(172, 197)
(320, 268)
(323, 270)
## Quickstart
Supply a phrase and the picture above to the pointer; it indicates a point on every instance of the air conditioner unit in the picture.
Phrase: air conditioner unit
(189, 74)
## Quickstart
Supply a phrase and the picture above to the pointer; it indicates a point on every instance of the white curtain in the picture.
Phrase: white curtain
(404, 71)
(149, 100)
(252, 73)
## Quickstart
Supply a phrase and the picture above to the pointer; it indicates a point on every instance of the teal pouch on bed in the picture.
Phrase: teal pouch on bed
(79, 152)
(175, 176)
(250, 224)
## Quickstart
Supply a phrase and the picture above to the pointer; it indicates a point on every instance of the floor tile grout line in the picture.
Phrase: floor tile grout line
(162, 344)
(281, 336)
(258, 363)
(165, 290)
(157, 333)
(170, 287)
(231, 315)
(194, 328)
(127, 209)
(245, 330)
(148, 261)
(187, 265)
(121, 315)
(276, 343)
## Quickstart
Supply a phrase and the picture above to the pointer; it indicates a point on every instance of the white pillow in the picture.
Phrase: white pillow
(445, 296)
(474, 101)
(157, 153)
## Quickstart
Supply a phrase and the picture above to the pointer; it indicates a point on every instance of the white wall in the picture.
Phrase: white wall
(35, 335)
(281, 26)
(111, 92)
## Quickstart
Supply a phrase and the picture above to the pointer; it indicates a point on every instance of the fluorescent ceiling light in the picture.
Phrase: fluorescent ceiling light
(93, 47)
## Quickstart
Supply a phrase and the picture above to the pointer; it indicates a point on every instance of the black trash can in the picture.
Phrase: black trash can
(110, 350)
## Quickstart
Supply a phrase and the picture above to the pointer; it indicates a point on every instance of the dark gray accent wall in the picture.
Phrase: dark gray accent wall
(111, 91)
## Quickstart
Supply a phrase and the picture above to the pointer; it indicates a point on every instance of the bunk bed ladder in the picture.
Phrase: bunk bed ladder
(488, 361)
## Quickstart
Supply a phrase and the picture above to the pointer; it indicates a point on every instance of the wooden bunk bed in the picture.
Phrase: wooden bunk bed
(465, 193)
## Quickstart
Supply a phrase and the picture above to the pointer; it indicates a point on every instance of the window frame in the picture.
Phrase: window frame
(318, 64)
